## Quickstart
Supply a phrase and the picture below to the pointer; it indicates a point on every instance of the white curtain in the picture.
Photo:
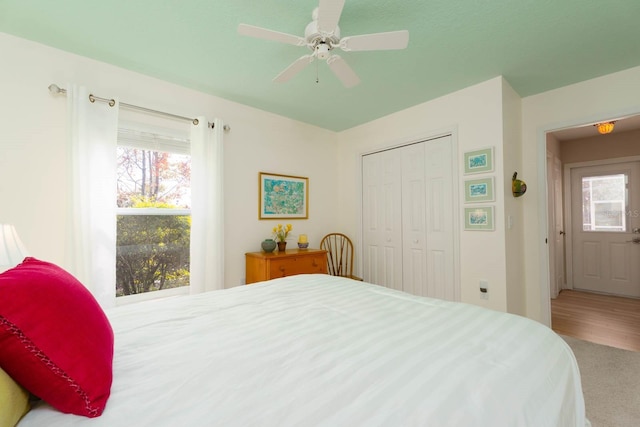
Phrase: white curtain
(207, 219)
(91, 230)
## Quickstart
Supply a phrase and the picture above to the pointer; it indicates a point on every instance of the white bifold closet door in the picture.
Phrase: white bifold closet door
(408, 219)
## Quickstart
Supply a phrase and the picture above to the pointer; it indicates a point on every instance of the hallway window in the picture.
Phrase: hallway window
(604, 203)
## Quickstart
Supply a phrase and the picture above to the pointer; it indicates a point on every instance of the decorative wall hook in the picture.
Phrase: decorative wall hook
(518, 187)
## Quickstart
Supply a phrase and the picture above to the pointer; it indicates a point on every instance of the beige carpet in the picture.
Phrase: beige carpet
(610, 383)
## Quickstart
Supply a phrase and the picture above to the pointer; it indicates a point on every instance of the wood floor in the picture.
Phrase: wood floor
(602, 319)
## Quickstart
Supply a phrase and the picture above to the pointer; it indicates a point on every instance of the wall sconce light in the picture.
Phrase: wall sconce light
(518, 186)
(605, 127)
(12, 251)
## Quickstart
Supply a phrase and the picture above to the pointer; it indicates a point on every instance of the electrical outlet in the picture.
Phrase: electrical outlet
(484, 289)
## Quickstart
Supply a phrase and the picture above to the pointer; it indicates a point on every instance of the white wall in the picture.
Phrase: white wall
(514, 229)
(474, 115)
(611, 146)
(607, 97)
(33, 182)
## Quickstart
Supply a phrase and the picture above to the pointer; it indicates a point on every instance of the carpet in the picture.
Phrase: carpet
(610, 383)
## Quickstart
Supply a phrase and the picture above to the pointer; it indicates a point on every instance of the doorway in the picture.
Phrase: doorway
(583, 146)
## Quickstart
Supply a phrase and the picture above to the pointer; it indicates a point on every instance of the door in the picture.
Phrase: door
(414, 242)
(381, 219)
(556, 226)
(408, 219)
(605, 205)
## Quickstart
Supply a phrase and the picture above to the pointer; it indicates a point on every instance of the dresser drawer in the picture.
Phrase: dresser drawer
(298, 265)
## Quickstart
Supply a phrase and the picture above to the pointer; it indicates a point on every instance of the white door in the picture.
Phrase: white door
(556, 227)
(605, 205)
(381, 219)
(416, 243)
(440, 220)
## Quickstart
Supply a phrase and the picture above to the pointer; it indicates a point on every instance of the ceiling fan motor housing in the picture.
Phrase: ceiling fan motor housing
(319, 42)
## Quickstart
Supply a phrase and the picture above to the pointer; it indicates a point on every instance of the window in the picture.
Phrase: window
(153, 213)
(604, 203)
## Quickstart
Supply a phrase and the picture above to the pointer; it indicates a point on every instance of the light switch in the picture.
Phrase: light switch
(484, 289)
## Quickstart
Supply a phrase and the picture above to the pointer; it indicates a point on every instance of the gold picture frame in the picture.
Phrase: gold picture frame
(283, 196)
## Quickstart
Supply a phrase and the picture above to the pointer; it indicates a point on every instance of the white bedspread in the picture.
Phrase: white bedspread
(315, 350)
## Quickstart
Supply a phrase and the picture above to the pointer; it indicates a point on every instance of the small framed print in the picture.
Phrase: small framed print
(478, 218)
(478, 190)
(478, 161)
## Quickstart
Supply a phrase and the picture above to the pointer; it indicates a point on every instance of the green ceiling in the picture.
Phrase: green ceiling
(537, 45)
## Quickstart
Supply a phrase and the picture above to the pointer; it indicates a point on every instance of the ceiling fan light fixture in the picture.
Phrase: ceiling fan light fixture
(605, 127)
(322, 51)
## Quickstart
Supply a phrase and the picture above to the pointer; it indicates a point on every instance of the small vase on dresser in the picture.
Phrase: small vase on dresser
(282, 246)
(268, 245)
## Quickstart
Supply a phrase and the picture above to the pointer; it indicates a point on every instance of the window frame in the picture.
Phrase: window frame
(157, 139)
(593, 228)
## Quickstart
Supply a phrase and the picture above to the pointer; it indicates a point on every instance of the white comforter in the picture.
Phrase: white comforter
(315, 350)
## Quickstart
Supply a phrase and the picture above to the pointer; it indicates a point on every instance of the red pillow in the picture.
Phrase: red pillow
(55, 340)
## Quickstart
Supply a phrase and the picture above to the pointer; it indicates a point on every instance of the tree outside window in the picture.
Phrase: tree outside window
(153, 220)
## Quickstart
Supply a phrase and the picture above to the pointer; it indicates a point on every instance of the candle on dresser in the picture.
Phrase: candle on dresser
(302, 238)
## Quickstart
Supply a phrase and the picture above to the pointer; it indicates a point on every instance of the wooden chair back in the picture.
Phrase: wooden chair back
(339, 255)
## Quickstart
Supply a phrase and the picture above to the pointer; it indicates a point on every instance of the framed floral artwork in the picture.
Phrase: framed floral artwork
(283, 196)
(478, 218)
(479, 190)
(478, 161)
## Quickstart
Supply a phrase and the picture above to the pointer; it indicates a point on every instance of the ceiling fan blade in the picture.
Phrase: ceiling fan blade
(329, 12)
(293, 69)
(378, 41)
(263, 33)
(342, 70)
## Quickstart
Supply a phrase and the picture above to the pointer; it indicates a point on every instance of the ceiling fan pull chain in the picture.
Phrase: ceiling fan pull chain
(317, 73)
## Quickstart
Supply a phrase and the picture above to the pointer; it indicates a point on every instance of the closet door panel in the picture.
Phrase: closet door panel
(414, 245)
(439, 218)
(370, 217)
(382, 233)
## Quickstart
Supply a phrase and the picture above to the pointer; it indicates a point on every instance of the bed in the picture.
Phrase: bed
(318, 350)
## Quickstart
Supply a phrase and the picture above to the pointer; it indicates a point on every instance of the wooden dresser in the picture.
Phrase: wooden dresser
(264, 266)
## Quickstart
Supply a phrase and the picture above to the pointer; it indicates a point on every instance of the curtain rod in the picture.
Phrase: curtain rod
(55, 89)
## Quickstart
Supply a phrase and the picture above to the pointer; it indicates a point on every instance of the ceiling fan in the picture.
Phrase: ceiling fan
(322, 36)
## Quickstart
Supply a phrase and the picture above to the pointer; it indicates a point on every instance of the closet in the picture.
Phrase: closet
(408, 218)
